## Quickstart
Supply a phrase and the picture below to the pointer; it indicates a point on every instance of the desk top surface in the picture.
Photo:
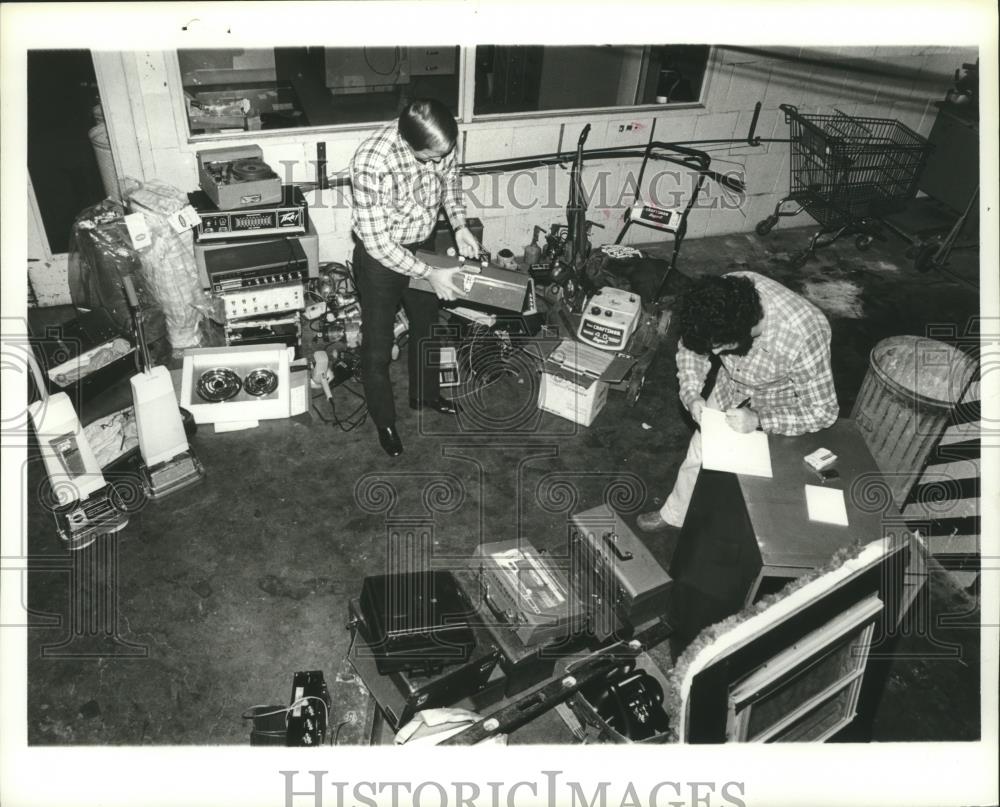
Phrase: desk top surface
(777, 506)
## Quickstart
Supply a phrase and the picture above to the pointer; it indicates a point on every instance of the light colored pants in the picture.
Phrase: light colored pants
(676, 506)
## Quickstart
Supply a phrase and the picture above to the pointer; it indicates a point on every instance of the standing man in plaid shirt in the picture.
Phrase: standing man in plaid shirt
(775, 373)
(401, 176)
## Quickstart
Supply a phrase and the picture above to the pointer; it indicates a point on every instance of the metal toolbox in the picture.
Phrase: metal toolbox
(528, 592)
(614, 573)
(489, 286)
(523, 665)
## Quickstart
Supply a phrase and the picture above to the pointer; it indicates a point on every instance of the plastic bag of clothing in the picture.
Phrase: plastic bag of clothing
(168, 262)
(101, 255)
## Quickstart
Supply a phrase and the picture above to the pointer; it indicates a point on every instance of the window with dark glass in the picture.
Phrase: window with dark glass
(545, 78)
(234, 90)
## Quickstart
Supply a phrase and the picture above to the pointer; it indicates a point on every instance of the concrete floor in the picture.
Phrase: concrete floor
(220, 593)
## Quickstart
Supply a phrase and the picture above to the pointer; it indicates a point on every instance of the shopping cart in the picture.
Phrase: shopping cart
(846, 172)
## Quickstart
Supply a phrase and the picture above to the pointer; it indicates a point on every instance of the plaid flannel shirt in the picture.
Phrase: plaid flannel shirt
(786, 374)
(396, 199)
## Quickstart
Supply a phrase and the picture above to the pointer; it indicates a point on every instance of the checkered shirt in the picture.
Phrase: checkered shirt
(786, 374)
(397, 198)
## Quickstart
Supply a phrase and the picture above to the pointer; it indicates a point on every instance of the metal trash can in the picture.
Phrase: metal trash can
(911, 387)
(105, 161)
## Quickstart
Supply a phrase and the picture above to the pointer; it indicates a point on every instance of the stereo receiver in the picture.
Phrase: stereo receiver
(287, 217)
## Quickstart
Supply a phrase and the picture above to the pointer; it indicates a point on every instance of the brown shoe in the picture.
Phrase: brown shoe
(651, 522)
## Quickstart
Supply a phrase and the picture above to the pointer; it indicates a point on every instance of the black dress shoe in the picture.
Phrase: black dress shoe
(442, 406)
(388, 438)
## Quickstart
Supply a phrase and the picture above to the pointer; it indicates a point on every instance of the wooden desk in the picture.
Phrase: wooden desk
(746, 536)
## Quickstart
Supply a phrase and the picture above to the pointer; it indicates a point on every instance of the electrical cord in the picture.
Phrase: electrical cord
(351, 626)
(357, 417)
(249, 715)
(336, 736)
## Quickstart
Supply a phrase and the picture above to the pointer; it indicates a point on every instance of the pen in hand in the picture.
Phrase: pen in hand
(737, 422)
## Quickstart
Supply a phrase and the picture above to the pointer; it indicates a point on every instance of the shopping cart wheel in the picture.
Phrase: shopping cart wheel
(798, 259)
(863, 241)
(764, 226)
(663, 323)
(635, 389)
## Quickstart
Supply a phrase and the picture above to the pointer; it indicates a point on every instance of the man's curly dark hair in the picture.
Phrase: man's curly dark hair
(719, 311)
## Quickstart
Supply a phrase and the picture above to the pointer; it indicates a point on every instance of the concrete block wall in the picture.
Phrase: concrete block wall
(148, 133)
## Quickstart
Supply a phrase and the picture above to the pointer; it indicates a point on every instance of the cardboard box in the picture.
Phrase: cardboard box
(238, 360)
(575, 379)
(492, 287)
(82, 356)
(236, 195)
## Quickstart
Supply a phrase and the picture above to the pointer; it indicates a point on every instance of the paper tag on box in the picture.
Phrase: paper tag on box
(138, 230)
(184, 219)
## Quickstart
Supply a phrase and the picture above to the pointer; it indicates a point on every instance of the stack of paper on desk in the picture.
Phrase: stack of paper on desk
(724, 449)
(827, 505)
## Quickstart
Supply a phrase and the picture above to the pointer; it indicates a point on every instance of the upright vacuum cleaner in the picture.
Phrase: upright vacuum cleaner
(168, 463)
(83, 503)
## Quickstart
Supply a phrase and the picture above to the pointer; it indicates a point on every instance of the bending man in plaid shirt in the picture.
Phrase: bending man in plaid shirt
(775, 373)
(400, 178)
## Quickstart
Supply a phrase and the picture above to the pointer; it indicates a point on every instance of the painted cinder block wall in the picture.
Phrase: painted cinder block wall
(148, 134)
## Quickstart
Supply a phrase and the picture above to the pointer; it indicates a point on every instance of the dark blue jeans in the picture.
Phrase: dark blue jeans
(381, 290)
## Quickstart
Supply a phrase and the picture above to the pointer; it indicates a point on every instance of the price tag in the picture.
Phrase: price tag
(184, 219)
(138, 230)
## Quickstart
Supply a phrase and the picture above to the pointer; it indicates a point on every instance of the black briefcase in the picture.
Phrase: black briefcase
(416, 621)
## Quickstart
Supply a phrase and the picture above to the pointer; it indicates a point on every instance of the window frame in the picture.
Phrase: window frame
(852, 629)
(466, 105)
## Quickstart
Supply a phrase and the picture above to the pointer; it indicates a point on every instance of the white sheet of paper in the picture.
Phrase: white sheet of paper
(724, 449)
(826, 504)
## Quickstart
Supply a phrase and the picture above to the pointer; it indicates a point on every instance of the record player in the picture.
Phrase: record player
(237, 177)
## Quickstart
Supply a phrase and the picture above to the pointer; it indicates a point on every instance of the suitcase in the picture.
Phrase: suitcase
(416, 621)
(400, 695)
